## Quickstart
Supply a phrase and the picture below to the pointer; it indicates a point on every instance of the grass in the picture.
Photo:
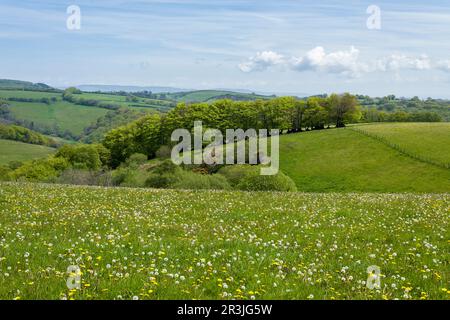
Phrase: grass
(347, 161)
(19, 151)
(164, 244)
(67, 116)
(427, 140)
(27, 94)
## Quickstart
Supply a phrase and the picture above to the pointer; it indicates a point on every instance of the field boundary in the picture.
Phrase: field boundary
(401, 149)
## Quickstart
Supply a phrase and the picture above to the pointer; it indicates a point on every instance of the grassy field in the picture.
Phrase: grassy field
(19, 151)
(344, 160)
(429, 140)
(163, 244)
(67, 116)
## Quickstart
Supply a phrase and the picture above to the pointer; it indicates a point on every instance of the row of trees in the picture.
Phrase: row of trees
(35, 100)
(288, 114)
(374, 115)
(70, 96)
(16, 133)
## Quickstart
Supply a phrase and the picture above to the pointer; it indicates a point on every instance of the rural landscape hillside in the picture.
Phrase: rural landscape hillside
(368, 188)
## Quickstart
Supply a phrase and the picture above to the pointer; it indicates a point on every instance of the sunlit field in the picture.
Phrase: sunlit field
(151, 244)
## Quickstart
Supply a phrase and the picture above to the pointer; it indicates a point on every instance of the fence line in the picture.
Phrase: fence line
(401, 149)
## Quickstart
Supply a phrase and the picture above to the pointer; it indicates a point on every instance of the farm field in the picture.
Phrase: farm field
(345, 160)
(19, 151)
(67, 116)
(163, 244)
(429, 140)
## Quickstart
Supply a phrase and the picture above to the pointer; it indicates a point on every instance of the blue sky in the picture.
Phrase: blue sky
(283, 46)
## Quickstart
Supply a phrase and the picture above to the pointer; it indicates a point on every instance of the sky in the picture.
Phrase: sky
(283, 46)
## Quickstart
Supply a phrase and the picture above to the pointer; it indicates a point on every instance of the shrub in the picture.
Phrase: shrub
(161, 181)
(129, 177)
(257, 182)
(234, 173)
(85, 177)
(40, 170)
(81, 156)
(136, 160)
(194, 181)
(4, 173)
(164, 152)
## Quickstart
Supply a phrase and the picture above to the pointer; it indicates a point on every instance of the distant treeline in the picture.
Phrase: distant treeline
(35, 100)
(392, 104)
(70, 96)
(16, 133)
(374, 115)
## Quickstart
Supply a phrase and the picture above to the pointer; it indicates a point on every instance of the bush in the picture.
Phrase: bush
(234, 173)
(129, 177)
(164, 152)
(194, 181)
(4, 173)
(45, 170)
(136, 160)
(85, 177)
(83, 156)
(161, 181)
(257, 182)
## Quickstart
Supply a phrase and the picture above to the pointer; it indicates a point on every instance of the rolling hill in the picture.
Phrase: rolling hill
(19, 151)
(347, 161)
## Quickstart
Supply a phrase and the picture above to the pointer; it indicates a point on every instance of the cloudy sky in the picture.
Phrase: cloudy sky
(282, 46)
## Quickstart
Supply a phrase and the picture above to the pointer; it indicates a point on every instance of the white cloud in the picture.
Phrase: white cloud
(400, 61)
(444, 65)
(261, 61)
(346, 62)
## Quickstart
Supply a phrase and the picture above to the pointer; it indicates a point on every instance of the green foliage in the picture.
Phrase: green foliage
(16, 133)
(42, 170)
(278, 182)
(189, 180)
(163, 152)
(141, 136)
(82, 156)
(4, 173)
(136, 160)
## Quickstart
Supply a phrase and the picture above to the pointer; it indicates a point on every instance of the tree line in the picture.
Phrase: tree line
(288, 114)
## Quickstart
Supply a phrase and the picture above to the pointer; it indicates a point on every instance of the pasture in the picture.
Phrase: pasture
(163, 244)
(19, 151)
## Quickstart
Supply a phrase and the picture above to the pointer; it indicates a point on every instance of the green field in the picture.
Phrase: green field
(67, 116)
(344, 160)
(19, 151)
(163, 244)
(429, 140)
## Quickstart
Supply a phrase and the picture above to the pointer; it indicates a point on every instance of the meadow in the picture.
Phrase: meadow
(19, 151)
(429, 140)
(163, 244)
(67, 116)
(347, 161)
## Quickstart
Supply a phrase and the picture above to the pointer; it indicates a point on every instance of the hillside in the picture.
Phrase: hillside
(19, 151)
(211, 95)
(23, 85)
(164, 244)
(344, 160)
(429, 141)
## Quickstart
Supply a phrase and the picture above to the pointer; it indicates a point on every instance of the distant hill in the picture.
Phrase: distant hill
(23, 85)
(211, 95)
(116, 88)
